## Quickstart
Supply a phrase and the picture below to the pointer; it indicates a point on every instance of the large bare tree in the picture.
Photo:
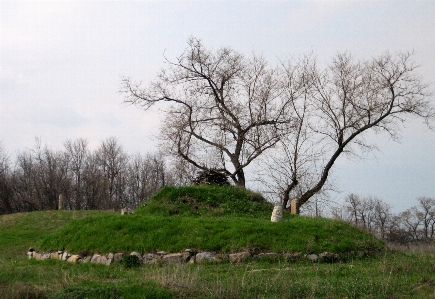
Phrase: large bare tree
(336, 107)
(224, 109)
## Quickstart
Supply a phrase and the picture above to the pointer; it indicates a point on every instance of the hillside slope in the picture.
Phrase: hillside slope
(222, 219)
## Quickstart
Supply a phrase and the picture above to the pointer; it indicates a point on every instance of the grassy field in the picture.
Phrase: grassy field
(384, 275)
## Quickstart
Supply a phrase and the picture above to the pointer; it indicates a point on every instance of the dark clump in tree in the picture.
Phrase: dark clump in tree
(211, 177)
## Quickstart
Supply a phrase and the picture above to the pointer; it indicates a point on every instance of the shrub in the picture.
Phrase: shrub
(131, 261)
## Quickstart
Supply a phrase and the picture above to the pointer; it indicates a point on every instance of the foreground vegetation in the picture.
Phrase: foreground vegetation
(388, 276)
(385, 275)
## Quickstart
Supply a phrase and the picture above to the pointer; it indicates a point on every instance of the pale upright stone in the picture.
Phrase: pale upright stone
(294, 207)
(276, 214)
(60, 204)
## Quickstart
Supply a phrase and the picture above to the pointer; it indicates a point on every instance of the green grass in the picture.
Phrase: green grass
(212, 218)
(393, 275)
(385, 275)
(20, 231)
(207, 200)
(111, 233)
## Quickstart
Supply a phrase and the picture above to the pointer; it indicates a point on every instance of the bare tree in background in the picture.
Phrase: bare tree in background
(77, 153)
(112, 162)
(224, 110)
(6, 184)
(146, 175)
(427, 208)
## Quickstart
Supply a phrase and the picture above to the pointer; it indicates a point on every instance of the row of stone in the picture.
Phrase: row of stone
(188, 256)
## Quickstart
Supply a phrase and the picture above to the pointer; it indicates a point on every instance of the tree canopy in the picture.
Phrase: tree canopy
(224, 110)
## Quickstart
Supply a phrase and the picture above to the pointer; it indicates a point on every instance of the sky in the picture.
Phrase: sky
(61, 64)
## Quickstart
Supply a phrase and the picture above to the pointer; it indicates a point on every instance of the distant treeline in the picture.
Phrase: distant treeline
(107, 178)
(414, 225)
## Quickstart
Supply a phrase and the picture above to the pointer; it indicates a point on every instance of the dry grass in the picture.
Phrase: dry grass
(421, 247)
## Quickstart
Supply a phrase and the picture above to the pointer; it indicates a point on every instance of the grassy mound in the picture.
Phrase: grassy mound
(223, 219)
(392, 275)
(205, 200)
(110, 233)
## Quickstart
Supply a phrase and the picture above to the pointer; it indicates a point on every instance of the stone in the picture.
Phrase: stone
(294, 207)
(276, 214)
(176, 258)
(151, 258)
(162, 253)
(103, 260)
(117, 257)
(31, 249)
(37, 255)
(110, 258)
(137, 254)
(207, 257)
(73, 258)
(96, 259)
(30, 254)
(86, 259)
(312, 257)
(65, 256)
(328, 257)
(238, 257)
(45, 256)
(55, 255)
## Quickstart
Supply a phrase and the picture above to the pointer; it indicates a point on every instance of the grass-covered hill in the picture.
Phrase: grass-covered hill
(222, 219)
(200, 219)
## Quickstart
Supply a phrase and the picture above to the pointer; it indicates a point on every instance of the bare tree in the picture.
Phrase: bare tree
(411, 221)
(146, 175)
(41, 174)
(6, 185)
(224, 109)
(383, 218)
(77, 153)
(339, 105)
(113, 162)
(427, 214)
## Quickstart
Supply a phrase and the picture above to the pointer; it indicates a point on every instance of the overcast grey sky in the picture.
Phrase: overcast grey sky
(61, 64)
